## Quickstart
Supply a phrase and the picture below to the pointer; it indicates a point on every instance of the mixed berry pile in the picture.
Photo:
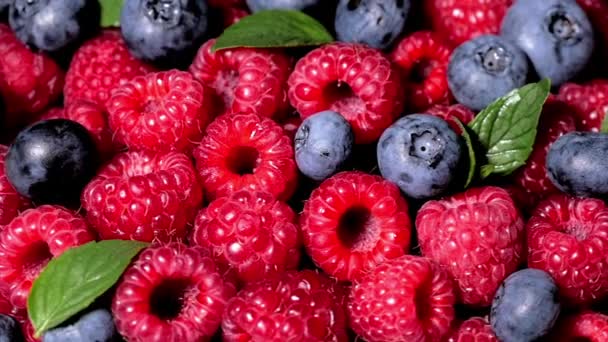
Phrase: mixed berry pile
(309, 192)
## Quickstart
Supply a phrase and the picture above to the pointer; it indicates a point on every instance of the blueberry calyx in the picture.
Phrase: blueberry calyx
(163, 12)
(426, 146)
(563, 27)
(29, 8)
(495, 59)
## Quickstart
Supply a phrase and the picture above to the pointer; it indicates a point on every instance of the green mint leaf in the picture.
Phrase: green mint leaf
(604, 128)
(274, 28)
(110, 12)
(471, 151)
(72, 281)
(507, 128)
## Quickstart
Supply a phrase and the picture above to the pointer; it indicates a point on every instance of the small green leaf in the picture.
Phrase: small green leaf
(605, 122)
(507, 128)
(72, 281)
(274, 28)
(471, 150)
(110, 12)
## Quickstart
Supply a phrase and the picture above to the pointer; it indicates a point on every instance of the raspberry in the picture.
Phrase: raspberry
(252, 232)
(11, 203)
(233, 15)
(160, 111)
(567, 238)
(474, 329)
(297, 306)
(291, 125)
(172, 293)
(597, 11)
(354, 221)
(227, 3)
(246, 151)
(478, 236)
(100, 65)
(353, 80)
(448, 113)
(457, 21)
(33, 238)
(406, 299)
(585, 326)
(587, 102)
(52, 113)
(143, 196)
(423, 62)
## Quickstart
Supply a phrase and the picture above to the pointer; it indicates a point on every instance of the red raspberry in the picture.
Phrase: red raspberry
(52, 113)
(33, 238)
(252, 232)
(100, 65)
(95, 120)
(423, 62)
(244, 80)
(586, 101)
(291, 125)
(597, 11)
(172, 293)
(478, 235)
(568, 238)
(227, 3)
(474, 329)
(160, 111)
(354, 221)
(145, 196)
(448, 113)
(233, 15)
(585, 326)
(353, 80)
(405, 299)
(297, 306)
(457, 21)
(30, 81)
(11, 203)
(246, 151)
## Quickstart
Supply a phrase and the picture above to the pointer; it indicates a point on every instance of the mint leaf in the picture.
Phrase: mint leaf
(274, 28)
(507, 128)
(72, 281)
(604, 128)
(110, 12)
(471, 151)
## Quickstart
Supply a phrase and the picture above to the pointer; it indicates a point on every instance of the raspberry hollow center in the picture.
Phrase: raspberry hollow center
(35, 257)
(168, 298)
(580, 231)
(242, 160)
(342, 99)
(421, 299)
(356, 230)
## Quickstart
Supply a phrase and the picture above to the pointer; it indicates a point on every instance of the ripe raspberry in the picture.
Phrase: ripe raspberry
(474, 329)
(233, 15)
(172, 293)
(33, 238)
(52, 113)
(296, 306)
(448, 113)
(246, 151)
(585, 326)
(353, 80)
(100, 65)
(586, 102)
(423, 62)
(457, 21)
(227, 3)
(406, 299)
(567, 238)
(597, 11)
(291, 125)
(95, 120)
(143, 196)
(160, 111)
(11, 203)
(354, 221)
(30, 81)
(478, 235)
(252, 232)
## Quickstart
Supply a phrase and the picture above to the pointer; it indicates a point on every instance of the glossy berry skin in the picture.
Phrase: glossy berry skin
(587, 101)
(51, 161)
(376, 23)
(577, 162)
(323, 143)
(252, 232)
(555, 34)
(97, 325)
(567, 238)
(11, 202)
(584, 326)
(484, 69)
(452, 113)
(261, 5)
(172, 293)
(354, 221)
(353, 80)
(246, 151)
(144, 196)
(164, 33)
(9, 329)
(525, 307)
(419, 153)
(478, 236)
(33, 238)
(54, 25)
(406, 299)
(474, 329)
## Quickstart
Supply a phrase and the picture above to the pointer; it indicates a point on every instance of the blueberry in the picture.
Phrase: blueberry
(525, 306)
(54, 25)
(96, 325)
(261, 5)
(555, 34)
(4, 9)
(164, 32)
(373, 22)
(485, 68)
(10, 331)
(419, 153)
(51, 161)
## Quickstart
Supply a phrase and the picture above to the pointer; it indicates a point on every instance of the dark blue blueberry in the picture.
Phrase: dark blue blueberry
(51, 161)
(261, 5)
(577, 164)
(54, 25)
(164, 32)
(525, 306)
(484, 69)
(555, 34)
(421, 154)
(323, 142)
(96, 325)
(10, 331)
(373, 22)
